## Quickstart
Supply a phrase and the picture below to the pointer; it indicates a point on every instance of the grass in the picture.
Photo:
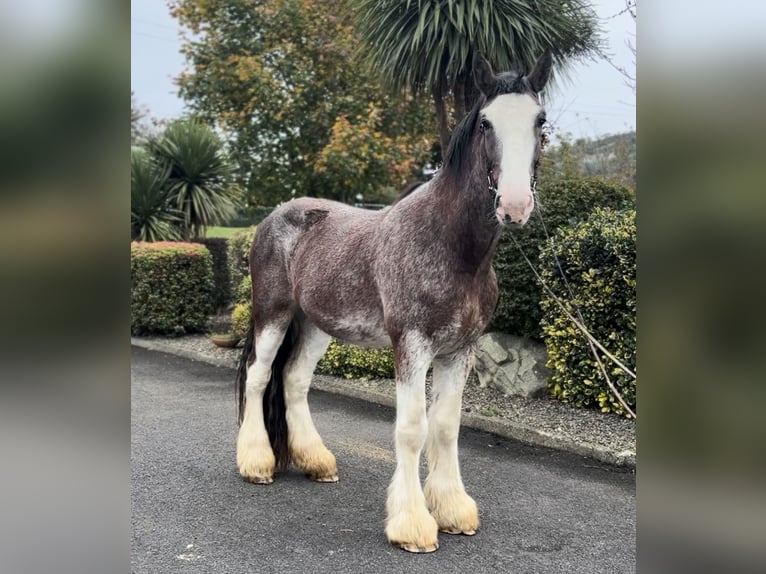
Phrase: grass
(222, 231)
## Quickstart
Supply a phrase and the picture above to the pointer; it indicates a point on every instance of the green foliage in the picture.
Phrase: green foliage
(240, 318)
(200, 176)
(427, 47)
(612, 157)
(251, 216)
(239, 255)
(219, 250)
(152, 217)
(560, 202)
(598, 258)
(282, 80)
(171, 287)
(352, 362)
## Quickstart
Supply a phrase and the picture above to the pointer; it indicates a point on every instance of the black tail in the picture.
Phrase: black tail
(246, 359)
(274, 407)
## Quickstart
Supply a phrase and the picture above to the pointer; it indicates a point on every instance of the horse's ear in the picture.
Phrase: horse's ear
(482, 74)
(542, 71)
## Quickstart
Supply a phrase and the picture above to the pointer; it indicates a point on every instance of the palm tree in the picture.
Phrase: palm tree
(152, 217)
(200, 175)
(427, 46)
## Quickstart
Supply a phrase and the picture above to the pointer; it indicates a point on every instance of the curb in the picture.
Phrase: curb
(501, 427)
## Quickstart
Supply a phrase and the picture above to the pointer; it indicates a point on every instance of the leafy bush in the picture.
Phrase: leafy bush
(240, 318)
(561, 202)
(219, 249)
(171, 287)
(352, 362)
(598, 258)
(240, 243)
(244, 292)
(250, 216)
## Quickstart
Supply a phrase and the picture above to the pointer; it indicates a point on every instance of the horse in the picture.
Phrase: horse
(416, 276)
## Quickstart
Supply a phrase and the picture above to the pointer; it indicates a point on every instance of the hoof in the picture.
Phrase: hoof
(419, 549)
(317, 462)
(457, 531)
(414, 531)
(333, 478)
(259, 479)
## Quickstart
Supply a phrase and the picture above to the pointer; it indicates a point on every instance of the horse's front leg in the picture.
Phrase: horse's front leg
(453, 509)
(409, 525)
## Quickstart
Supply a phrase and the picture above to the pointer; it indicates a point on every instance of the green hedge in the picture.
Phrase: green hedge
(239, 244)
(171, 287)
(352, 362)
(598, 258)
(218, 247)
(562, 202)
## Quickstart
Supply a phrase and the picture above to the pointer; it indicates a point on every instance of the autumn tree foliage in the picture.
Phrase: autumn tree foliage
(283, 82)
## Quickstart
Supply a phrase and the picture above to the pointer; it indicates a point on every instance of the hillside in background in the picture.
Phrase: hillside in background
(612, 157)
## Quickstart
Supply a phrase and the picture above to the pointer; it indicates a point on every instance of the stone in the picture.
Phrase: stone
(513, 365)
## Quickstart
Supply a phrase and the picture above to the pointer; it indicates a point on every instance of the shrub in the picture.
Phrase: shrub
(219, 249)
(244, 292)
(240, 243)
(561, 202)
(250, 216)
(171, 287)
(598, 258)
(240, 318)
(352, 362)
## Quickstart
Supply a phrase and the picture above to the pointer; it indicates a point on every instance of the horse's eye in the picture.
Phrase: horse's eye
(485, 125)
(540, 121)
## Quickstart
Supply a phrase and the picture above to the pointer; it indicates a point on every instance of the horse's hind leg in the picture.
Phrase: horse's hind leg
(307, 450)
(255, 458)
(453, 509)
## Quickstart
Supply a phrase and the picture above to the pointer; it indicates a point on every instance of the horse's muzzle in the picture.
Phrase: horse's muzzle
(515, 213)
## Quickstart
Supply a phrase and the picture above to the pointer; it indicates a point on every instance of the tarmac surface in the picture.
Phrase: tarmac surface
(542, 510)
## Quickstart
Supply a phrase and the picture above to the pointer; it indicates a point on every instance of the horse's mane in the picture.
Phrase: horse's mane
(408, 190)
(460, 142)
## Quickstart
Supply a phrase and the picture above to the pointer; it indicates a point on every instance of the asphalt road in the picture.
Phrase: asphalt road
(542, 511)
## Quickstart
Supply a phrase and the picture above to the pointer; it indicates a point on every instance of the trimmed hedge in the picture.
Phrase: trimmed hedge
(239, 244)
(352, 362)
(562, 202)
(171, 287)
(598, 258)
(219, 249)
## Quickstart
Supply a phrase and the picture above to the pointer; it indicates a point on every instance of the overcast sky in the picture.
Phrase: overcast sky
(595, 101)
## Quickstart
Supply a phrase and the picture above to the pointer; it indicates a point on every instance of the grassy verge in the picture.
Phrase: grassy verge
(222, 231)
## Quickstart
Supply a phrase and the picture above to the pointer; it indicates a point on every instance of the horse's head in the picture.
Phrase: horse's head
(511, 122)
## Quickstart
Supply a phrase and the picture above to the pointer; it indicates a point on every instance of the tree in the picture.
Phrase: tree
(282, 81)
(152, 216)
(428, 46)
(199, 175)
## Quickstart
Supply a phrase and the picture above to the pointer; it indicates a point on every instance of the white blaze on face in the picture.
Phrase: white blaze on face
(513, 118)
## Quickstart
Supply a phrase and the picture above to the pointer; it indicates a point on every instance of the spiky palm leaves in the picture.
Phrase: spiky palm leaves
(200, 176)
(152, 218)
(427, 46)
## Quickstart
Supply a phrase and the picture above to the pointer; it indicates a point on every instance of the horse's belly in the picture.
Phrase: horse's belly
(358, 328)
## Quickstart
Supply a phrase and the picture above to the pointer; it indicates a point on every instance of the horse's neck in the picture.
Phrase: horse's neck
(471, 227)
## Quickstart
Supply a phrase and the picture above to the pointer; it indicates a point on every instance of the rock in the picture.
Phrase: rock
(513, 365)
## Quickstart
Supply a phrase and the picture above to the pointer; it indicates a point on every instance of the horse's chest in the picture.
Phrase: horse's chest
(470, 313)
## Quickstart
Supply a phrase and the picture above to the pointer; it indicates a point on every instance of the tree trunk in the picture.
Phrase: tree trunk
(459, 93)
(441, 117)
